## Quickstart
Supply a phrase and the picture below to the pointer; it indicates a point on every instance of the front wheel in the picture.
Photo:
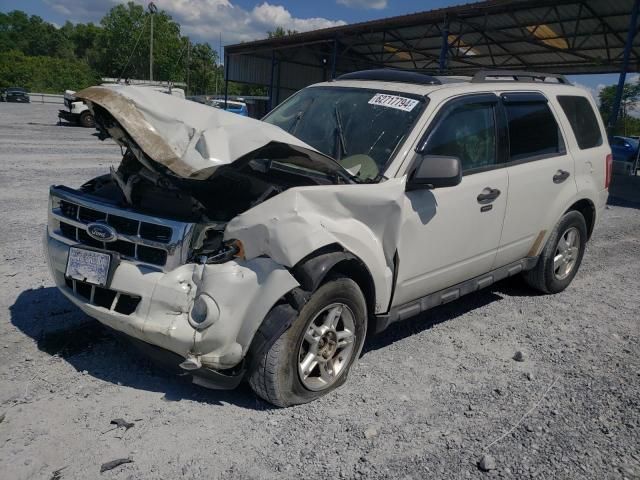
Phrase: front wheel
(562, 255)
(87, 120)
(314, 356)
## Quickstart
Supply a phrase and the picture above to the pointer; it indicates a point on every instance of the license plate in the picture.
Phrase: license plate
(88, 266)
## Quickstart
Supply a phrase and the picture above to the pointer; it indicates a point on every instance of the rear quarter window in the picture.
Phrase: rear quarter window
(533, 131)
(582, 119)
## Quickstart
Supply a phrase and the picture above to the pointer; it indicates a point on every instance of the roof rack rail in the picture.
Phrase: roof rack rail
(517, 76)
(392, 75)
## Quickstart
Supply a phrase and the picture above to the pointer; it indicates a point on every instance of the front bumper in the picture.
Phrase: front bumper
(68, 116)
(242, 291)
(203, 376)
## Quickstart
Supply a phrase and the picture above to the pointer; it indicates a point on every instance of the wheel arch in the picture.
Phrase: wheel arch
(313, 270)
(310, 272)
(588, 210)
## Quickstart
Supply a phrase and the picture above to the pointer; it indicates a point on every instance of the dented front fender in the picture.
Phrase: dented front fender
(364, 219)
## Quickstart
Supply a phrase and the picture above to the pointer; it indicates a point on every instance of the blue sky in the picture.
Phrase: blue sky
(243, 20)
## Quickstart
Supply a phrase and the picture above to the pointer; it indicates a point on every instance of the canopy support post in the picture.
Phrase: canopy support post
(273, 68)
(226, 80)
(444, 46)
(334, 57)
(613, 117)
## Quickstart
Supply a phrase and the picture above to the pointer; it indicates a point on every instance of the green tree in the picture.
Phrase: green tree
(43, 73)
(627, 124)
(32, 35)
(280, 32)
(205, 76)
(123, 45)
(84, 38)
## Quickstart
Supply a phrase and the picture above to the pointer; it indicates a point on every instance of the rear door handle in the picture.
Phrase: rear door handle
(488, 195)
(560, 176)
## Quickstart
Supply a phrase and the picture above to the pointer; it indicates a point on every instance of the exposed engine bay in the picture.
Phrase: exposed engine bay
(143, 185)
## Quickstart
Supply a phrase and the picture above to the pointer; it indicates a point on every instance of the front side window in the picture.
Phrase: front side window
(467, 132)
(360, 128)
(582, 120)
(533, 130)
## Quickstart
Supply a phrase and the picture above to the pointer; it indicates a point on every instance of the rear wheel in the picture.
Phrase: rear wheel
(87, 120)
(562, 255)
(314, 356)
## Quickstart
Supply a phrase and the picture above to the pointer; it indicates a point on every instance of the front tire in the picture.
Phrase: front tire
(314, 356)
(562, 255)
(87, 120)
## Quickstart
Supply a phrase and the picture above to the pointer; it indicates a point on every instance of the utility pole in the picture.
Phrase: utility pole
(188, 62)
(152, 10)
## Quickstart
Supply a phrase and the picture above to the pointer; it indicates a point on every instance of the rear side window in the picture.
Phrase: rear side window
(533, 130)
(582, 119)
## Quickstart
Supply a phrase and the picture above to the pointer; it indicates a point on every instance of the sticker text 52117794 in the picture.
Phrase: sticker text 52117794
(394, 101)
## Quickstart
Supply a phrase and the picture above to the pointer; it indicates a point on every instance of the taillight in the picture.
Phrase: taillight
(607, 177)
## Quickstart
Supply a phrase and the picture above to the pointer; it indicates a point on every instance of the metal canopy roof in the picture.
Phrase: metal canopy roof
(562, 36)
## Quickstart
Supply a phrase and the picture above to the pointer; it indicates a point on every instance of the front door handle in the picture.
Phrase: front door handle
(560, 176)
(488, 195)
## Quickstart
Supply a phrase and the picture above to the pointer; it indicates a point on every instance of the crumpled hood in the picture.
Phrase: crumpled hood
(190, 139)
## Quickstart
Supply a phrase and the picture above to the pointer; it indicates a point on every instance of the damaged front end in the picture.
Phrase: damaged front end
(197, 217)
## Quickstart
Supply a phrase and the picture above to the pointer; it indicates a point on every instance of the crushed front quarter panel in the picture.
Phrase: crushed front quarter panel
(364, 219)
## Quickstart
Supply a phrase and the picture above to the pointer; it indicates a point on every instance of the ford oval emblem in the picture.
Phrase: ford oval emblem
(102, 232)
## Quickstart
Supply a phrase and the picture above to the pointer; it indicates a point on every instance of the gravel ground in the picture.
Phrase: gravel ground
(428, 399)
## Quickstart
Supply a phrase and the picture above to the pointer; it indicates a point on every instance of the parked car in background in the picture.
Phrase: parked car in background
(232, 106)
(15, 94)
(625, 152)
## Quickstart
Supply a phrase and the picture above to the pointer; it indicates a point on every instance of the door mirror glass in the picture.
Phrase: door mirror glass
(435, 171)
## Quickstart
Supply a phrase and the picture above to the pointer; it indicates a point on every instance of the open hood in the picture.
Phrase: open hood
(190, 139)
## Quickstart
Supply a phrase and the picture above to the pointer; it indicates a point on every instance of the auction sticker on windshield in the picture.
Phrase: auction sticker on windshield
(394, 101)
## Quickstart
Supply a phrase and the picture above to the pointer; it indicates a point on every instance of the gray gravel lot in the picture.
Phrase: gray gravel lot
(425, 400)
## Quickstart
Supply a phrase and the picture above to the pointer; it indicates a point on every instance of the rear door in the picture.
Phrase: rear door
(541, 175)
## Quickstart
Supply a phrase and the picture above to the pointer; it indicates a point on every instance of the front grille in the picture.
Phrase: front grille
(89, 215)
(154, 256)
(157, 233)
(151, 240)
(104, 297)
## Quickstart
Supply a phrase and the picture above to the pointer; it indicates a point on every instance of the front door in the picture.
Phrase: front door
(451, 234)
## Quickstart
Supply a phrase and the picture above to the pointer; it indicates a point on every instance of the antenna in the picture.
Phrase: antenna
(152, 10)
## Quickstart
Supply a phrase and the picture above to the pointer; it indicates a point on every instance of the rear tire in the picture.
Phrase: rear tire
(87, 120)
(314, 356)
(562, 255)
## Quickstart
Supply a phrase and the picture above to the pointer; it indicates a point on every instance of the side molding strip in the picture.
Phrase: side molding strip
(449, 294)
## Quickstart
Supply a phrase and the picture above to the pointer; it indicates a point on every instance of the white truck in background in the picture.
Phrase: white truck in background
(76, 111)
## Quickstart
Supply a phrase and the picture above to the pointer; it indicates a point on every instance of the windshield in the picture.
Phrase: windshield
(360, 128)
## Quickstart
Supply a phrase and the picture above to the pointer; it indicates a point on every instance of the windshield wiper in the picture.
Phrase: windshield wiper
(340, 141)
(294, 125)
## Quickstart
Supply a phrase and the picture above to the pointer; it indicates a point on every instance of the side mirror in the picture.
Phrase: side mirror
(435, 171)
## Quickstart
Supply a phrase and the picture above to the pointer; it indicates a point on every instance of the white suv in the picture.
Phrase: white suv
(267, 250)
